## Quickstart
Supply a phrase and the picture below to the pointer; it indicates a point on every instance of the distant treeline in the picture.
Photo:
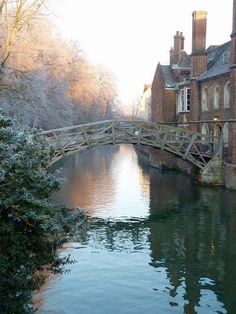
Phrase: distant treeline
(45, 81)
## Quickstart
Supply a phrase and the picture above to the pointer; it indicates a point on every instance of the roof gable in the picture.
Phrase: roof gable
(168, 76)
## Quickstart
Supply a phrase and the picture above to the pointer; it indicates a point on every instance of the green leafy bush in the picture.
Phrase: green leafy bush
(29, 221)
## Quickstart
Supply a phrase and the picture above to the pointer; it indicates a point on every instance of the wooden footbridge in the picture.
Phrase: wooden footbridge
(197, 148)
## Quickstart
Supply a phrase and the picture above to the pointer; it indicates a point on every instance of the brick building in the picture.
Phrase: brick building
(199, 90)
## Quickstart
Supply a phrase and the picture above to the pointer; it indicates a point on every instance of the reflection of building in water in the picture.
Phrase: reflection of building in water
(193, 242)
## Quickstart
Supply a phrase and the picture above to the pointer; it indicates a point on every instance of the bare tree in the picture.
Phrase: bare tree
(45, 81)
(15, 15)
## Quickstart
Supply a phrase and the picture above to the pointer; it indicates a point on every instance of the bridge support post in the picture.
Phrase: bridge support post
(213, 173)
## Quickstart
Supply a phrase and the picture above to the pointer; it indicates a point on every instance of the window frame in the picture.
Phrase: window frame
(205, 131)
(184, 100)
(227, 95)
(225, 132)
(205, 99)
(216, 100)
(226, 57)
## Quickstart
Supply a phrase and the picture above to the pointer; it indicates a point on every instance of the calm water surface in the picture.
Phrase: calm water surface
(155, 241)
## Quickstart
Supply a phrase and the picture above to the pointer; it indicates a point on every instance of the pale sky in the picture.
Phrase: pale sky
(131, 36)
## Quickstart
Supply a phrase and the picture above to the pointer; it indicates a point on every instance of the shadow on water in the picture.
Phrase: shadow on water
(189, 232)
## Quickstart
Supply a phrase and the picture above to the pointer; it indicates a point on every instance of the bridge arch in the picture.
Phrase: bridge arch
(197, 148)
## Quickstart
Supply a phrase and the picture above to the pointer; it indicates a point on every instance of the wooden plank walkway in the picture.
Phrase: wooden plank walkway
(197, 148)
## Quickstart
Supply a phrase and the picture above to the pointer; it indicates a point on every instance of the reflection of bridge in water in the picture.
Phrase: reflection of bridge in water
(199, 149)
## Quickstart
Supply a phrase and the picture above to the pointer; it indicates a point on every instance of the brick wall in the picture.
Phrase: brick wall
(169, 105)
(194, 103)
(163, 100)
(222, 113)
(198, 64)
(157, 95)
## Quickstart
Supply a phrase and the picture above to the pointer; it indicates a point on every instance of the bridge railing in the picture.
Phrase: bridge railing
(196, 147)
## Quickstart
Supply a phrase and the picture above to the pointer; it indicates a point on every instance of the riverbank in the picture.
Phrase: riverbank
(162, 159)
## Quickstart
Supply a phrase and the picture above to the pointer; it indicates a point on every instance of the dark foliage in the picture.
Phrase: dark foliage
(29, 221)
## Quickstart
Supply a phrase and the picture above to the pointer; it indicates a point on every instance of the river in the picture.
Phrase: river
(155, 241)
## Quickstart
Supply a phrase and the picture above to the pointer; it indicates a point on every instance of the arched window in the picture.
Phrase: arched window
(217, 130)
(205, 131)
(217, 133)
(227, 95)
(205, 99)
(216, 97)
(226, 134)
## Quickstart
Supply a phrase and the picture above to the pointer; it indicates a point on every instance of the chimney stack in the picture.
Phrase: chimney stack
(198, 57)
(234, 18)
(171, 55)
(198, 61)
(175, 53)
(233, 36)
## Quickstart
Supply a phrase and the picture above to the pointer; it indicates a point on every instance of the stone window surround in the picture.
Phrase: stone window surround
(205, 99)
(225, 132)
(205, 131)
(183, 104)
(216, 102)
(227, 95)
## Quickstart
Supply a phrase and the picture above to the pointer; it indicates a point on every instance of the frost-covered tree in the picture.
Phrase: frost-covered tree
(15, 16)
(93, 90)
(33, 84)
(44, 81)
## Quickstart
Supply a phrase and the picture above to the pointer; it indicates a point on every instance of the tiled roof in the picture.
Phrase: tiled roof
(169, 79)
(215, 66)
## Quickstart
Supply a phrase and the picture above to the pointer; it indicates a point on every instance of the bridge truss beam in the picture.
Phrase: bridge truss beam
(199, 149)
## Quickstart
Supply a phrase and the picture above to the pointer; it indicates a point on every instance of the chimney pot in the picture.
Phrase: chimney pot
(175, 53)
